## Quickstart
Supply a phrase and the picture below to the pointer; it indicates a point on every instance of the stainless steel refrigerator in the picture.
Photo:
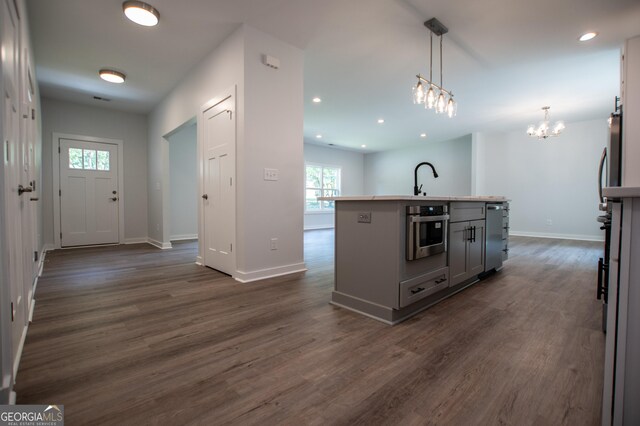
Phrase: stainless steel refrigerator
(609, 174)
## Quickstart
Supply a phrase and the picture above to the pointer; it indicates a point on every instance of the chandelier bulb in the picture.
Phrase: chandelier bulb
(451, 107)
(440, 103)
(418, 93)
(431, 98)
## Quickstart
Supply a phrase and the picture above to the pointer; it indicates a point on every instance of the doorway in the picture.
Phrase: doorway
(88, 191)
(183, 182)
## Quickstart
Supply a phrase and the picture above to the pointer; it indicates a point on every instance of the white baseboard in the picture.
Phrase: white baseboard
(183, 237)
(48, 247)
(12, 398)
(263, 274)
(311, 228)
(32, 310)
(16, 362)
(578, 237)
(136, 240)
(199, 260)
(160, 245)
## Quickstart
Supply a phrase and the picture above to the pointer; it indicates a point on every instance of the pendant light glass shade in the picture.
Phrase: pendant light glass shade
(452, 108)
(431, 98)
(440, 104)
(418, 93)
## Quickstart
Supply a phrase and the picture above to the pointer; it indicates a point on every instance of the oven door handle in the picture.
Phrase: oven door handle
(417, 219)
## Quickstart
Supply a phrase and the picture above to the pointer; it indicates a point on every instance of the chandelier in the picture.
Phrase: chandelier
(428, 93)
(544, 130)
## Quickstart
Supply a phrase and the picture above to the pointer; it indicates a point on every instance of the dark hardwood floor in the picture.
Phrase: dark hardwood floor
(136, 335)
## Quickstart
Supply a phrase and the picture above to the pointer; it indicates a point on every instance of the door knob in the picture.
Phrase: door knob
(22, 189)
(114, 199)
(205, 197)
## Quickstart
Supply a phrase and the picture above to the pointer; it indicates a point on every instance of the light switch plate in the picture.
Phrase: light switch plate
(271, 174)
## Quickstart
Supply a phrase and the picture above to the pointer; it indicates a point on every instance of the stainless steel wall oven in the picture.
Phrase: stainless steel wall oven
(426, 231)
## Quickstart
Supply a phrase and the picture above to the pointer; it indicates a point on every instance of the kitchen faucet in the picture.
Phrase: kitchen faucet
(416, 189)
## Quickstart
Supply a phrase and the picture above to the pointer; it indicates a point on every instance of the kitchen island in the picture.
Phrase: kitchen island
(397, 255)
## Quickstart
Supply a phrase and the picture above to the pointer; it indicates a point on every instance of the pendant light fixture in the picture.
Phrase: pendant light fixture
(544, 130)
(141, 13)
(426, 92)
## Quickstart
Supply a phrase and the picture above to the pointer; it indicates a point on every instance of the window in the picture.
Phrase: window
(321, 181)
(89, 159)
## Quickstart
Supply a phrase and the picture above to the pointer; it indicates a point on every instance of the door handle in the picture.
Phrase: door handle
(34, 199)
(417, 290)
(22, 189)
(473, 233)
(114, 199)
(205, 197)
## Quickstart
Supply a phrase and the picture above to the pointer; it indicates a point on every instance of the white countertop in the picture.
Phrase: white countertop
(621, 191)
(482, 198)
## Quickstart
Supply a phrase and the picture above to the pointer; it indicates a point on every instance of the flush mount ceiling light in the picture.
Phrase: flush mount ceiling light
(316, 100)
(319, 136)
(141, 13)
(588, 36)
(112, 76)
(423, 135)
(426, 92)
(544, 131)
(380, 120)
(363, 146)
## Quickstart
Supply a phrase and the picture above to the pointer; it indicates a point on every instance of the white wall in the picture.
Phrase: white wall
(183, 187)
(631, 112)
(274, 139)
(269, 121)
(391, 172)
(553, 179)
(67, 117)
(351, 164)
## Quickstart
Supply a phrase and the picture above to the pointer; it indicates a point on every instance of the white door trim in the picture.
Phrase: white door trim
(55, 144)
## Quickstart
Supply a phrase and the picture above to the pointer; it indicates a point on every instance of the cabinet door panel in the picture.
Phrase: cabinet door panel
(476, 248)
(458, 235)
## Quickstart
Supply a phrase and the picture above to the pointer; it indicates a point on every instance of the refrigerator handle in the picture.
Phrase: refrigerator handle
(600, 170)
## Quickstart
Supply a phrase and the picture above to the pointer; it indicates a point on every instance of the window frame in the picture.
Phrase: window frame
(322, 209)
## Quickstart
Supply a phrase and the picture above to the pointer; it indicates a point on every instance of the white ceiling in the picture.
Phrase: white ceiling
(503, 59)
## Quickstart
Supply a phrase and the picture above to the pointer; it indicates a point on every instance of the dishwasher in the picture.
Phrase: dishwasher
(493, 241)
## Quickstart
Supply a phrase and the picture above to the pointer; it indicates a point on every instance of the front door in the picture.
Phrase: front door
(219, 173)
(89, 193)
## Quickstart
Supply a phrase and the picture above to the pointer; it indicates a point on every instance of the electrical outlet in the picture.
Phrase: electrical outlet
(270, 174)
(364, 217)
(549, 222)
(274, 244)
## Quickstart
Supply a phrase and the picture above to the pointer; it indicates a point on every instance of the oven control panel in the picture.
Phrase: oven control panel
(427, 210)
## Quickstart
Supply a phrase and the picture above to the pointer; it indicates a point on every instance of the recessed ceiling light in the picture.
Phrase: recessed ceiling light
(141, 13)
(423, 135)
(380, 120)
(112, 76)
(316, 100)
(363, 146)
(318, 136)
(587, 36)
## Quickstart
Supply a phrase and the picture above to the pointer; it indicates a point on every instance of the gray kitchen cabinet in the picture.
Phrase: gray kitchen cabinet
(466, 250)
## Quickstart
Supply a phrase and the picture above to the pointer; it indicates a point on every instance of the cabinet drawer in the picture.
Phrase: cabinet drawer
(463, 211)
(422, 286)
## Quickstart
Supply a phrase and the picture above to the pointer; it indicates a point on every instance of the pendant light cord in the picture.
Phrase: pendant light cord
(441, 85)
(430, 56)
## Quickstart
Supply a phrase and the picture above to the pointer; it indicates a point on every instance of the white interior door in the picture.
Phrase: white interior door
(219, 200)
(89, 193)
(12, 173)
